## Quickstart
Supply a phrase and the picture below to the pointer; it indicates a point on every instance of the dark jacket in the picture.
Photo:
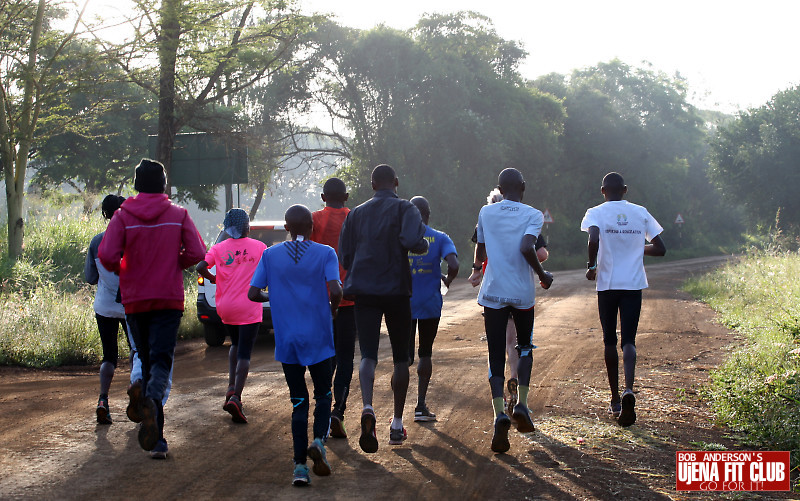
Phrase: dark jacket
(374, 245)
(157, 241)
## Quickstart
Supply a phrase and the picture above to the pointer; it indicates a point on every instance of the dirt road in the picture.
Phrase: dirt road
(51, 448)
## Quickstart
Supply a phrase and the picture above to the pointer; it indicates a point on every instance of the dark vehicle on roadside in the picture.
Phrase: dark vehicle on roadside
(269, 232)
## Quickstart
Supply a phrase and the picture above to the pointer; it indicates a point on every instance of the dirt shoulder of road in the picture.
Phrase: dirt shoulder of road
(53, 449)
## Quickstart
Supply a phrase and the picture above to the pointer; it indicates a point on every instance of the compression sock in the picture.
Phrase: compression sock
(497, 403)
(523, 394)
(397, 423)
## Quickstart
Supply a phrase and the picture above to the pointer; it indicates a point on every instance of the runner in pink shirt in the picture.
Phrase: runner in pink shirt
(236, 259)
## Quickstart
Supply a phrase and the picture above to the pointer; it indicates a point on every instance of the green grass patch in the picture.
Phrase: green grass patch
(757, 390)
(46, 314)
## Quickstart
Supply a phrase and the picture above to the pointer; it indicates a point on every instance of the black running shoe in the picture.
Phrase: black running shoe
(103, 413)
(521, 417)
(337, 424)
(136, 395)
(148, 431)
(234, 407)
(368, 440)
(317, 454)
(422, 414)
(500, 438)
(628, 414)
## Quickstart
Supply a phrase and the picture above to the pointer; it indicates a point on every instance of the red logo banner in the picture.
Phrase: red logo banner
(732, 471)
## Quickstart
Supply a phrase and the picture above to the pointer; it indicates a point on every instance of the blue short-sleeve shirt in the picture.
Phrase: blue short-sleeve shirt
(426, 275)
(297, 273)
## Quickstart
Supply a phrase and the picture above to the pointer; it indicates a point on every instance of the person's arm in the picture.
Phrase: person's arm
(452, 269)
(110, 249)
(335, 292)
(477, 266)
(528, 250)
(412, 230)
(257, 295)
(90, 272)
(202, 269)
(346, 244)
(593, 246)
(193, 249)
(656, 247)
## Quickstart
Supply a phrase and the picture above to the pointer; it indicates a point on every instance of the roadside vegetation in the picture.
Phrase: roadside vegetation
(46, 314)
(757, 390)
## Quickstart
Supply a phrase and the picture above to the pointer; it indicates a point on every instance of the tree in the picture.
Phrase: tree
(29, 85)
(756, 160)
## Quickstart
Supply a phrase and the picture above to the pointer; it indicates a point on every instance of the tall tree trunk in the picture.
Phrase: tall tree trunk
(257, 201)
(15, 157)
(168, 41)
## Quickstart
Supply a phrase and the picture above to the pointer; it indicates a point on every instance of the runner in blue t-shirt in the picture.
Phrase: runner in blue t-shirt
(297, 273)
(426, 300)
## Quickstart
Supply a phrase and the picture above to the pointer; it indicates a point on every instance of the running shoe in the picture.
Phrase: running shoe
(160, 450)
(234, 407)
(397, 437)
(337, 424)
(614, 408)
(229, 393)
(368, 440)
(522, 419)
(500, 438)
(317, 453)
(628, 414)
(422, 414)
(103, 413)
(136, 395)
(300, 477)
(148, 430)
(512, 386)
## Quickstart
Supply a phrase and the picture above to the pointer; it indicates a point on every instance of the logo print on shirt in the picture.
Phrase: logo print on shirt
(229, 261)
(622, 220)
(297, 249)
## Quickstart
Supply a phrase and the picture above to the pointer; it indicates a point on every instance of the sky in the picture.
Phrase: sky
(735, 54)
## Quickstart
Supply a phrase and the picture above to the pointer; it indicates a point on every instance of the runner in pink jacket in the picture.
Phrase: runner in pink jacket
(149, 242)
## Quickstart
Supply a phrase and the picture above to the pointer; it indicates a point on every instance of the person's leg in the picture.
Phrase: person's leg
(247, 339)
(108, 328)
(397, 314)
(608, 306)
(495, 321)
(511, 350)
(298, 393)
(368, 327)
(163, 336)
(135, 392)
(523, 320)
(321, 376)
(412, 340)
(345, 328)
(630, 306)
(427, 334)
(233, 332)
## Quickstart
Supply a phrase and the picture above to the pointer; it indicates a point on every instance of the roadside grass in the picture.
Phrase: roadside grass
(46, 314)
(757, 390)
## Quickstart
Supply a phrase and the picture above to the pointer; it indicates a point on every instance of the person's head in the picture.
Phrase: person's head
(110, 205)
(511, 184)
(421, 203)
(384, 178)
(298, 221)
(236, 223)
(613, 187)
(494, 196)
(150, 177)
(334, 193)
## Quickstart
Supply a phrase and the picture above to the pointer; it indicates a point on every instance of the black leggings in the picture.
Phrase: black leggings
(298, 392)
(396, 312)
(243, 337)
(496, 322)
(629, 305)
(344, 338)
(428, 328)
(109, 330)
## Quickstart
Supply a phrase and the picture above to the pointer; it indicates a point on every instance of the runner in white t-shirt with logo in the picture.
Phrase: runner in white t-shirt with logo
(507, 232)
(618, 234)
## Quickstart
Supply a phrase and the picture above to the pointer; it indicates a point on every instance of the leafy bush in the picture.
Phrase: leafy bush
(757, 390)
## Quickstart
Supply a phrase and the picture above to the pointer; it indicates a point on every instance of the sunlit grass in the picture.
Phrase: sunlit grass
(757, 390)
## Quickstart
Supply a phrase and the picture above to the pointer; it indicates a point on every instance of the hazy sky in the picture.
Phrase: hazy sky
(735, 54)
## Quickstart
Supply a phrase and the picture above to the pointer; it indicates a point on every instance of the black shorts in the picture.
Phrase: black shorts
(396, 312)
(427, 327)
(629, 305)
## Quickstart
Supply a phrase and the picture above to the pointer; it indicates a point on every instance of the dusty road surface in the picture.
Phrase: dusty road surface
(51, 448)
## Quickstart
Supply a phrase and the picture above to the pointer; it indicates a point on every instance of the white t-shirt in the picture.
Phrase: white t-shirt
(509, 279)
(624, 227)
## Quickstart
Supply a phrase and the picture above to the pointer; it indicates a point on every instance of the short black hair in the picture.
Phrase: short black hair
(334, 187)
(110, 205)
(613, 183)
(383, 175)
(421, 203)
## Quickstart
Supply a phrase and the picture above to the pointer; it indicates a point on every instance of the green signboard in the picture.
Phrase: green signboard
(205, 159)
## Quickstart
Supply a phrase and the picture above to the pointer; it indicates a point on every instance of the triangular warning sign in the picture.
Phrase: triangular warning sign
(679, 219)
(548, 218)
